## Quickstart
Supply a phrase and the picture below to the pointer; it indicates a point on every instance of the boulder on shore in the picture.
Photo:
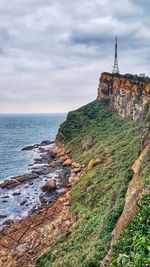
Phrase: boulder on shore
(68, 162)
(50, 185)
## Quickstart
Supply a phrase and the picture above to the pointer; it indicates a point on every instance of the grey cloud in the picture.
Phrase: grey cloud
(91, 38)
(52, 52)
(143, 4)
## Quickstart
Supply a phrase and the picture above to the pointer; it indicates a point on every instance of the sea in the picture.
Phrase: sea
(20, 130)
(16, 132)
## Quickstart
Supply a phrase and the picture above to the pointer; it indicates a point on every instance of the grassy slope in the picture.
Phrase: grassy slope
(133, 247)
(98, 197)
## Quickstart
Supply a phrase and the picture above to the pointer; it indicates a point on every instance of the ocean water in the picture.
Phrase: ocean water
(18, 131)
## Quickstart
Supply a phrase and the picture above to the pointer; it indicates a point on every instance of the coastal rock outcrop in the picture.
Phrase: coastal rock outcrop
(128, 94)
(43, 143)
(17, 180)
(50, 185)
(24, 241)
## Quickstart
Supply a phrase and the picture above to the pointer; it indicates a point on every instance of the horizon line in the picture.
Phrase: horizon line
(11, 113)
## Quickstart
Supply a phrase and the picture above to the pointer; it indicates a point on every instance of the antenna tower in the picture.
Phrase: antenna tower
(115, 67)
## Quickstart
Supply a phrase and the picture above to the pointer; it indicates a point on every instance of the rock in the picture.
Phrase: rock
(16, 194)
(50, 185)
(64, 158)
(21, 178)
(17, 180)
(95, 161)
(73, 174)
(30, 147)
(42, 150)
(76, 164)
(46, 143)
(40, 171)
(51, 165)
(62, 154)
(22, 203)
(39, 161)
(43, 143)
(68, 162)
(33, 175)
(22, 248)
(30, 183)
(92, 163)
(73, 179)
(2, 261)
(52, 156)
(43, 200)
(9, 184)
(4, 252)
(3, 216)
(76, 170)
(88, 143)
(128, 94)
(60, 150)
(8, 222)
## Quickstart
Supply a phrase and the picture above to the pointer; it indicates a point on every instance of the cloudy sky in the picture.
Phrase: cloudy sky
(53, 51)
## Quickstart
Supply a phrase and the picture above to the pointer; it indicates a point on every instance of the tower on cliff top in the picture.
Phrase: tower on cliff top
(115, 67)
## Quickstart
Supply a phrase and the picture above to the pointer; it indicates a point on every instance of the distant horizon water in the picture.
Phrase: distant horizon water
(18, 130)
(32, 113)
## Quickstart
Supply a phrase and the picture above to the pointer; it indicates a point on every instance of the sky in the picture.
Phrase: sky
(52, 52)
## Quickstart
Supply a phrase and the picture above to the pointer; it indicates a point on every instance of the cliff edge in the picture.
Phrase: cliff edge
(128, 94)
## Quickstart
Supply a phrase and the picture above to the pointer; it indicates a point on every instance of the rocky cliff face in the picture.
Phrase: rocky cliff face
(129, 94)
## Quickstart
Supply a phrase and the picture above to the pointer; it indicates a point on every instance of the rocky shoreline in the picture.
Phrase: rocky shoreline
(39, 188)
(22, 241)
(46, 157)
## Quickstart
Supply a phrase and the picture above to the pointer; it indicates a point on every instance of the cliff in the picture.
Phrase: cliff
(128, 94)
(109, 138)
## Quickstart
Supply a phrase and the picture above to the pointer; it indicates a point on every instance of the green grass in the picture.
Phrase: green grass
(133, 247)
(98, 198)
(145, 172)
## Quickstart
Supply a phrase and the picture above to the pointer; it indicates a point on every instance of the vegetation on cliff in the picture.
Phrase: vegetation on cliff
(133, 247)
(95, 131)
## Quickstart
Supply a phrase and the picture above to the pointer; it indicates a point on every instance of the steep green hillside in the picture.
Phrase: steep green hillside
(98, 198)
(133, 247)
